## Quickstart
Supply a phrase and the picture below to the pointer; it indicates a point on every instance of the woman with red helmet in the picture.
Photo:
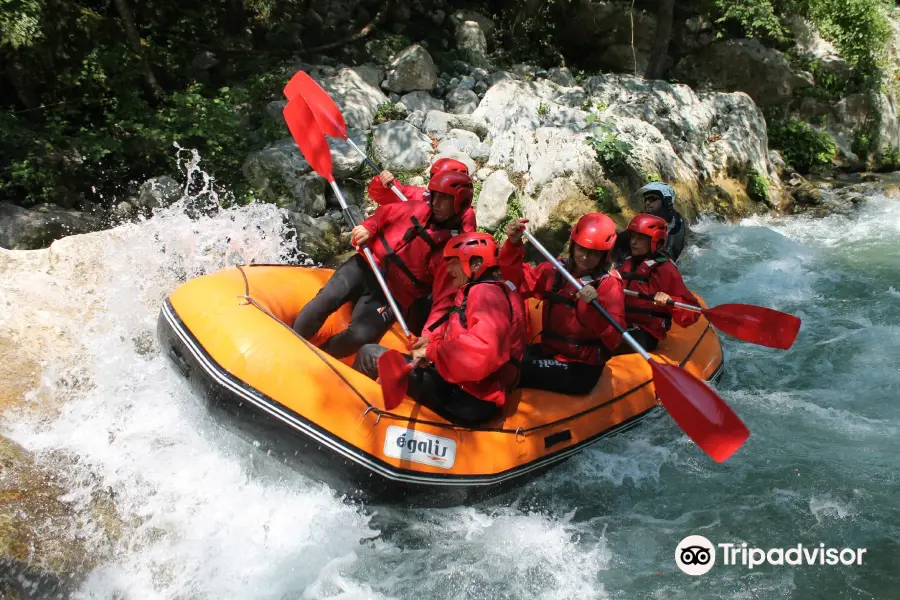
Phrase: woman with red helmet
(474, 349)
(576, 340)
(381, 194)
(407, 239)
(649, 271)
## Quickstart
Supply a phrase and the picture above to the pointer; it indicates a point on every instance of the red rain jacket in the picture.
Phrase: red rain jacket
(574, 331)
(479, 345)
(383, 195)
(652, 275)
(408, 247)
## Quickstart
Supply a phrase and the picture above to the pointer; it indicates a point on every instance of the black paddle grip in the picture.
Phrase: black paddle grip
(644, 296)
(374, 165)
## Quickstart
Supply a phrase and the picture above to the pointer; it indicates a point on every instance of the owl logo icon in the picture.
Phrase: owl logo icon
(695, 555)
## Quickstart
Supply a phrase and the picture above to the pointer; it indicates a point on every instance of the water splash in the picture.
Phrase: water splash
(203, 515)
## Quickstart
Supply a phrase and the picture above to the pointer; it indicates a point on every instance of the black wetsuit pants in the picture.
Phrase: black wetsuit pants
(647, 342)
(541, 372)
(353, 282)
(427, 387)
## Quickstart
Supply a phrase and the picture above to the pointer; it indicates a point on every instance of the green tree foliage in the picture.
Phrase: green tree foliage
(755, 19)
(83, 118)
(80, 124)
(19, 22)
(801, 145)
(858, 28)
(611, 151)
(758, 186)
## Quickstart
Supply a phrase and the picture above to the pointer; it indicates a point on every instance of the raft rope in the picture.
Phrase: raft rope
(316, 351)
(381, 413)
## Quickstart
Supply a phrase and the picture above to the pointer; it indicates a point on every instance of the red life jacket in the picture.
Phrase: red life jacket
(563, 333)
(650, 317)
(495, 386)
(404, 249)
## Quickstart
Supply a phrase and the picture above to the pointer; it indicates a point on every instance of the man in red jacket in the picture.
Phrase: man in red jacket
(576, 340)
(651, 272)
(381, 193)
(475, 348)
(406, 239)
(444, 292)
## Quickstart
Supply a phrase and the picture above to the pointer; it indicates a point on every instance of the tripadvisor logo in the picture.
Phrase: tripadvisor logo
(696, 555)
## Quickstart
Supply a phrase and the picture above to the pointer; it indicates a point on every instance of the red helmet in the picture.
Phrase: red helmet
(459, 185)
(448, 164)
(467, 246)
(594, 231)
(653, 227)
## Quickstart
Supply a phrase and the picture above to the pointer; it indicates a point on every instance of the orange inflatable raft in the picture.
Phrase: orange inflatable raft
(230, 334)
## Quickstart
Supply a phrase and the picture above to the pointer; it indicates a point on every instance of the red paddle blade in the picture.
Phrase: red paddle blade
(699, 411)
(326, 112)
(756, 324)
(293, 86)
(393, 370)
(308, 136)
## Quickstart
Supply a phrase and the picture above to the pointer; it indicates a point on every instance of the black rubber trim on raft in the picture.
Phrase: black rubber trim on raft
(318, 435)
(383, 414)
(696, 345)
(557, 438)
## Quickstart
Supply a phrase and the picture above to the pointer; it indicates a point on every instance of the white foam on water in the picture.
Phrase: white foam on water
(640, 461)
(822, 415)
(754, 265)
(506, 552)
(202, 516)
(805, 406)
(202, 513)
(636, 457)
(875, 223)
(825, 507)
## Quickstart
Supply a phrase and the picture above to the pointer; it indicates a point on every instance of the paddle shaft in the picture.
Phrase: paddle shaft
(694, 406)
(578, 285)
(378, 169)
(371, 258)
(314, 147)
(669, 303)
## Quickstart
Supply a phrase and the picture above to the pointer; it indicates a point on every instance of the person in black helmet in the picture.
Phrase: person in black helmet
(659, 201)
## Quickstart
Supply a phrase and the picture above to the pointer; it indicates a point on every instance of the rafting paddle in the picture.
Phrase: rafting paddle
(328, 115)
(700, 412)
(747, 322)
(314, 148)
(393, 370)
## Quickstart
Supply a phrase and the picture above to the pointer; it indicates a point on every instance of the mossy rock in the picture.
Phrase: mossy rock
(41, 555)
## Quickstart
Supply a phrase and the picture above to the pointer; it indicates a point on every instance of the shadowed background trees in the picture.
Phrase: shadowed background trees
(96, 92)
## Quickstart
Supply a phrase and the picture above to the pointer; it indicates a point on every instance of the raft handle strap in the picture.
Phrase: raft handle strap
(315, 350)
